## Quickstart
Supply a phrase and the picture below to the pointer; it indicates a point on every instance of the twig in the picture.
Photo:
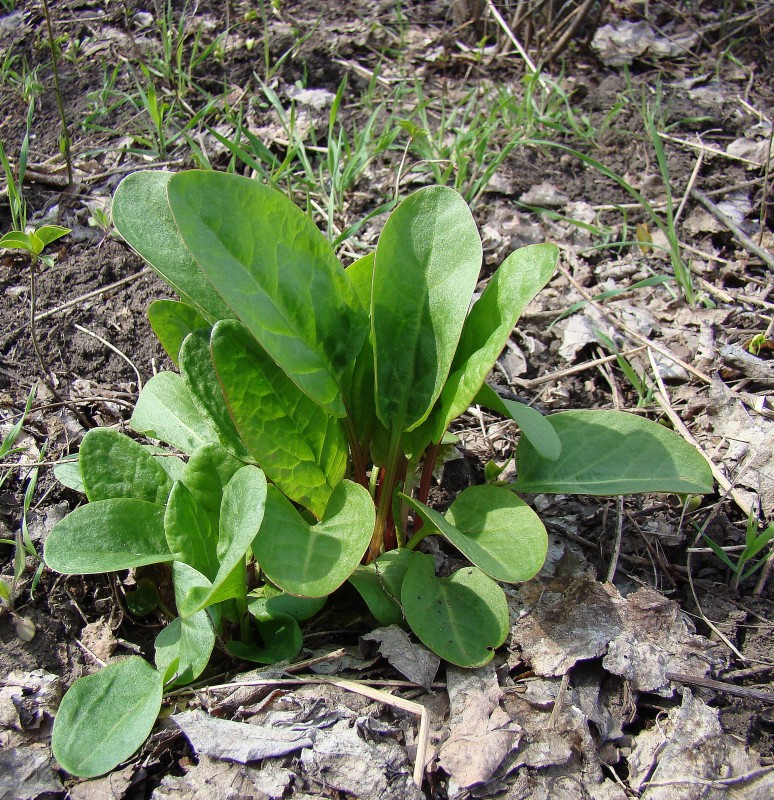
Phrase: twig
(509, 33)
(722, 686)
(708, 149)
(618, 536)
(750, 245)
(115, 350)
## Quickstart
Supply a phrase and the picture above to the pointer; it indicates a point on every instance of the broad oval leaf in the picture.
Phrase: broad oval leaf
(281, 636)
(611, 453)
(142, 216)
(462, 618)
(489, 324)
(107, 536)
(199, 375)
(166, 411)
(274, 601)
(295, 441)
(188, 532)
(277, 272)
(314, 560)
(189, 641)
(104, 718)
(426, 266)
(113, 465)
(494, 529)
(68, 473)
(206, 474)
(172, 321)
(534, 426)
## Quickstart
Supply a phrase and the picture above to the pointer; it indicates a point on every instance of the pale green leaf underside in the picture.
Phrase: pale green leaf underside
(188, 532)
(142, 216)
(104, 718)
(172, 321)
(191, 641)
(314, 560)
(277, 272)
(379, 584)
(299, 445)
(612, 453)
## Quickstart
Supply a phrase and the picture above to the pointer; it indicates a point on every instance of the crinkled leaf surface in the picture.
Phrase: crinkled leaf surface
(425, 270)
(166, 411)
(105, 717)
(299, 445)
(189, 641)
(314, 560)
(172, 321)
(106, 536)
(277, 272)
(462, 618)
(489, 324)
(142, 216)
(188, 532)
(113, 465)
(534, 426)
(610, 453)
(198, 373)
(379, 584)
(494, 529)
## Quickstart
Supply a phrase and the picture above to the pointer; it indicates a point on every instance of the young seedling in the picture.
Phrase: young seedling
(300, 436)
(746, 563)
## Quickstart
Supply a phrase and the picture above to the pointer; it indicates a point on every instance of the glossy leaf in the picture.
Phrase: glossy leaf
(189, 641)
(141, 215)
(489, 324)
(166, 411)
(494, 529)
(462, 618)
(107, 536)
(241, 515)
(188, 532)
(534, 426)
(610, 453)
(105, 717)
(172, 321)
(277, 272)
(50, 233)
(275, 601)
(297, 443)
(280, 633)
(379, 584)
(206, 474)
(426, 266)
(199, 376)
(113, 465)
(314, 560)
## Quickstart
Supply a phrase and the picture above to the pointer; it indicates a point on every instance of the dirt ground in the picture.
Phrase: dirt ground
(557, 714)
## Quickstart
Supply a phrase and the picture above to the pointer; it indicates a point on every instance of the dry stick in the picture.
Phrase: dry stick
(686, 194)
(722, 686)
(580, 14)
(708, 149)
(509, 33)
(766, 172)
(115, 350)
(750, 245)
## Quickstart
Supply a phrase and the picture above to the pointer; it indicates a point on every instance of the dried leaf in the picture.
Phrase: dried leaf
(411, 659)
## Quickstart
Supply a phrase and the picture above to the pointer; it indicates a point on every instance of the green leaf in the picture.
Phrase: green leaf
(17, 240)
(199, 376)
(280, 633)
(299, 445)
(494, 529)
(206, 474)
(534, 426)
(144, 599)
(489, 324)
(172, 321)
(275, 601)
(426, 266)
(314, 560)
(189, 641)
(68, 473)
(188, 533)
(142, 216)
(611, 453)
(277, 272)
(379, 584)
(113, 465)
(241, 515)
(50, 233)
(462, 618)
(104, 718)
(107, 536)
(166, 411)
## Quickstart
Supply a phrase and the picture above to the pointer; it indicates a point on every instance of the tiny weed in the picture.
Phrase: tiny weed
(746, 563)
